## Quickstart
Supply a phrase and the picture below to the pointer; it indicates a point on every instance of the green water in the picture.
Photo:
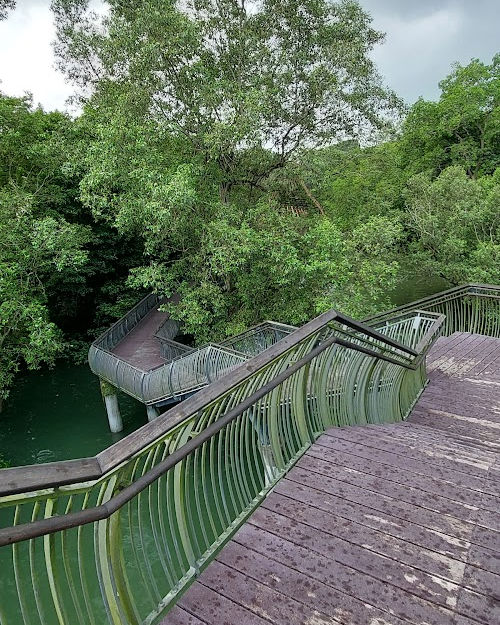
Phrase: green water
(58, 414)
(413, 287)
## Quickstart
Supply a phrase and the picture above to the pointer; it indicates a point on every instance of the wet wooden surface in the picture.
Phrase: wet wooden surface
(378, 525)
(140, 347)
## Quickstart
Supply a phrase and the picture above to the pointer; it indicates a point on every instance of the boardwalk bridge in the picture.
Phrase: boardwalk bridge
(315, 482)
(140, 356)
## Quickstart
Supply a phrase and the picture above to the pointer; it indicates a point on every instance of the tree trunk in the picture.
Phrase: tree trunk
(311, 196)
(224, 192)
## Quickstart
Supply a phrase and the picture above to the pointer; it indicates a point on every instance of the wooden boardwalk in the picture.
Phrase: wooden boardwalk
(140, 347)
(378, 525)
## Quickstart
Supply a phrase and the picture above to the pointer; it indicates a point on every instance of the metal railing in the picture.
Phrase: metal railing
(260, 337)
(469, 308)
(186, 369)
(116, 538)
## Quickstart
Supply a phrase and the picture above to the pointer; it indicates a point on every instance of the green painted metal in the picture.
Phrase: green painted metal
(468, 308)
(131, 566)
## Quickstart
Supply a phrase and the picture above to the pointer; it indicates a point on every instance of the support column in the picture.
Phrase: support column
(109, 394)
(152, 412)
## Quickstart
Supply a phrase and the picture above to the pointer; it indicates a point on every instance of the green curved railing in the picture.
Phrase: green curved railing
(469, 308)
(118, 537)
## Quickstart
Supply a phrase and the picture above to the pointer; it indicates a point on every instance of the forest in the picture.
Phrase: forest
(244, 155)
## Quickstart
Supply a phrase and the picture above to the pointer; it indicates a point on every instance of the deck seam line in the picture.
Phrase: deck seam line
(314, 579)
(387, 479)
(403, 540)
(372, 446)
(415, 506)
(399, 455)
(264, 618)
(438, 606)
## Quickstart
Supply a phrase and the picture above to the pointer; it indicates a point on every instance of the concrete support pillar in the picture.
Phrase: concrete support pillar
(109, 394)
(152, 413)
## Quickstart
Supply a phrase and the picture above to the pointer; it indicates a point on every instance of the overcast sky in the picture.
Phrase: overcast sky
(423, 39)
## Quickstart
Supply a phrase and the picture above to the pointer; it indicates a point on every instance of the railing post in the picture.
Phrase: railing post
(266, 450)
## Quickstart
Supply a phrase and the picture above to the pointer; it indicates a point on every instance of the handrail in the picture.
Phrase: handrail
(32, 477)
(453, 292)
(118, 537)
(27, 531)
(366, 329)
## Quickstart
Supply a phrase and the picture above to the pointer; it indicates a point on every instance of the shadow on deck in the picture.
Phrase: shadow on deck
(380, 524)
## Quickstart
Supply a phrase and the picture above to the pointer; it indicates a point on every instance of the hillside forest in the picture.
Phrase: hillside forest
(244, 155)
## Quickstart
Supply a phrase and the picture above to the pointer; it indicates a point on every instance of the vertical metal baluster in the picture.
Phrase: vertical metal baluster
(16, 547)
(66, 558)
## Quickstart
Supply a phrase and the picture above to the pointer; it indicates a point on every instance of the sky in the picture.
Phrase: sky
(423, 39)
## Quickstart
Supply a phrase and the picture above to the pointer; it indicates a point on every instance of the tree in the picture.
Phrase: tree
(354, 184)
(247, 84)
(5, 6)
(41, 154)
(462, 128)
(32, 249)
(455, 222)
(193, 110)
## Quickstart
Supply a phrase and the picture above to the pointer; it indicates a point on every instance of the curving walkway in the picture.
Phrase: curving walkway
(140, 347)
(378, 525)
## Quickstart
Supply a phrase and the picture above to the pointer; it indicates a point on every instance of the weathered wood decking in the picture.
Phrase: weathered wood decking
(378, 525)
(140, 347)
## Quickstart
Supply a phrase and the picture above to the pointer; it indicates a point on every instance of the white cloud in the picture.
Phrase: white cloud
(412, 57)
(26, 56)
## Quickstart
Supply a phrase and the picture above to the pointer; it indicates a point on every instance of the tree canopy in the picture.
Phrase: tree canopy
(462, 127)
(245, 155)
(246, 84)
(198, 109)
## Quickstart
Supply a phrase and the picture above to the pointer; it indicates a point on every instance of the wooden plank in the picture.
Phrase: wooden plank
(388, 523)
(424, 491)
(490, 354)
(293, 551)
(325, 516)
(35, 476)
(179, 616)
(364, 568)
(410, 465)
(260, 599)
(301, 584)
(429, 451)
(213, 608)
(408, 438)
(403, 505)
(381, 559)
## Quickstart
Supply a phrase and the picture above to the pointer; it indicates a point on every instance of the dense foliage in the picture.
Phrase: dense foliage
(58, 269)
(243, 155)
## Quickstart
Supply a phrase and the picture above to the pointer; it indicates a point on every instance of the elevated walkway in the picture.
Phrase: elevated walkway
(390, 524)
(140, 347)
(139, 356)
(321, 483)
